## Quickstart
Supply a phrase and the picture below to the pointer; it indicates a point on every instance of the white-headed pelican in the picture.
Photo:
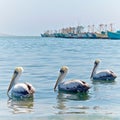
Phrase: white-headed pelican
(19, 90)
(74, 85)
(102, 75)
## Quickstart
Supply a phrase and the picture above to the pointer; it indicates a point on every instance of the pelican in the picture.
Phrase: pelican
(74, 85)
(102, 75)
(19, 90)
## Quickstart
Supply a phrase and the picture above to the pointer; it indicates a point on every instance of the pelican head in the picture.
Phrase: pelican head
(96, 63)
(17, 72)
(63, 72)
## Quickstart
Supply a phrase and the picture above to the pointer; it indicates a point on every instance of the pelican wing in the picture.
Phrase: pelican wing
(22, 90)
(105, 75)
(73, 86)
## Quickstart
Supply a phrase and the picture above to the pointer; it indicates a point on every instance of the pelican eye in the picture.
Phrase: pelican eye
(62, 71)
(15, 72)
(96, 62)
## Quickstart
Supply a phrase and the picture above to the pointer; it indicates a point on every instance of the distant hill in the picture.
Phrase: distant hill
(5, 35)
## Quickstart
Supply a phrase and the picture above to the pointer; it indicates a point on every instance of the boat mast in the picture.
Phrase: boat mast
(111, 27)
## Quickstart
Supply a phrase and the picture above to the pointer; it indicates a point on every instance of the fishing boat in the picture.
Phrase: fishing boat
(101, 35)
(113, 35)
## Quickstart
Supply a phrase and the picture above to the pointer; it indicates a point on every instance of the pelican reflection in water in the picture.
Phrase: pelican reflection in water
(74, 85)
(63, 100)
(102, 75)
(21, 106)
(19, 90)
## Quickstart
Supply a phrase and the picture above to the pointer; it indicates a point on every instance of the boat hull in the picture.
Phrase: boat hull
(113, 35)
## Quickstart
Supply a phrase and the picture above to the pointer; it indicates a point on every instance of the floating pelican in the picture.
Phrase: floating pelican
(74, 85)
(19, 90)
(102, 75)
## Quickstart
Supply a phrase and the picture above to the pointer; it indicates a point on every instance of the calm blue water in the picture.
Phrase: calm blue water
(41, 59)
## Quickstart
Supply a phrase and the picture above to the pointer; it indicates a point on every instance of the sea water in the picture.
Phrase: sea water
(42, 59)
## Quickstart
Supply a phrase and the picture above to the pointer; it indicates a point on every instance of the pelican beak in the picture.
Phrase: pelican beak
(60, 77)
(12, 81)
(93, 71)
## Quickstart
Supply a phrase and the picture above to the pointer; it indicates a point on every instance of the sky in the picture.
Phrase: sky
(33, 17)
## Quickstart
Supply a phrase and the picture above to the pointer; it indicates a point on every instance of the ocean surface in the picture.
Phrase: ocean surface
(42, 59)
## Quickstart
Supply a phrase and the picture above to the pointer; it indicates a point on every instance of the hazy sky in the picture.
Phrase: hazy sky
(32, 17)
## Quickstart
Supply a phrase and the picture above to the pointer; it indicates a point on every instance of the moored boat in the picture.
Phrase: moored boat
(101, 35)
(113, 35)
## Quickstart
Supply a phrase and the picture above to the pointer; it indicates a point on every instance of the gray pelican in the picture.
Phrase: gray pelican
(102, 75)
(74, 85)
(19, 90)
